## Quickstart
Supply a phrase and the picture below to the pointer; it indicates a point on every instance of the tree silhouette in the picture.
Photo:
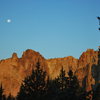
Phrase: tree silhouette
(51, 90)
(73, 87)
(56, 87)
(10, 97)
(33, 86)
(38, 87)
(61, 80)
(65, 88)
(1, 92)
(72, 81)
(96, 95)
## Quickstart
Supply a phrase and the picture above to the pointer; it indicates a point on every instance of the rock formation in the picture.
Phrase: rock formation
(81, 67)
(84, 72)
(14, 69)
(56, 64)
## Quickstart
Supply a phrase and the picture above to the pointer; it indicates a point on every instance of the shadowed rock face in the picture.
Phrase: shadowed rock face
(14, 69)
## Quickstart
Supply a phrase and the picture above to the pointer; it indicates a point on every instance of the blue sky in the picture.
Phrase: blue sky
(55, 28)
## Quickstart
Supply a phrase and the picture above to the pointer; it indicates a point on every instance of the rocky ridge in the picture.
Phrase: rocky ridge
(14, 69)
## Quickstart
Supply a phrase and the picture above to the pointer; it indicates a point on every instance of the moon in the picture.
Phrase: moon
(8, 20)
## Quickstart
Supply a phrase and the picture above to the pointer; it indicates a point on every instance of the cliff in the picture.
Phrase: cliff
(55, 65)
(85, 72)
(82, 67)
(14, 69)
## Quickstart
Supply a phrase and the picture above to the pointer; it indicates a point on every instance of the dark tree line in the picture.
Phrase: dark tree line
(3, 97)
(38, 86)
(34, 86)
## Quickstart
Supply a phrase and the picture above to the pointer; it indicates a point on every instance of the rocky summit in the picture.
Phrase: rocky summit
(14, 69)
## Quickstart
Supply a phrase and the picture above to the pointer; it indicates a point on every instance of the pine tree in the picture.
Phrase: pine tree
(72, 86)
(56, 87)
(51, 90)
(33, 86)
(10, 97)
(60, 85)
(96, 95)
(1, 92)
(61, 80)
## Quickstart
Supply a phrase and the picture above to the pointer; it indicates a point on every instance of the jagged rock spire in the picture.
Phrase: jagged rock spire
(14, 56)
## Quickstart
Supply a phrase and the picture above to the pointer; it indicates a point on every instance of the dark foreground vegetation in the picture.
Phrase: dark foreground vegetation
(39, 86)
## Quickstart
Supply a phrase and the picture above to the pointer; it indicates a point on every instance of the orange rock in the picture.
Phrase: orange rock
(14, 69)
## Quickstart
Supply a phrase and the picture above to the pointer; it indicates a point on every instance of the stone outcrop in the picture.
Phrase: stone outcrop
(85, 63)
(82, 67)
(55, 65)
(14, 69)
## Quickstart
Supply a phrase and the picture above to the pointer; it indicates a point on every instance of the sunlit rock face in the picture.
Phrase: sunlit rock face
(55, 65)
(14, 69)
(84, 72)
(81, 67)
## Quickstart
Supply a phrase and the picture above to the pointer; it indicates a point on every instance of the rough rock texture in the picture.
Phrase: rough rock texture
(82, 67)
(56, 64)
(14, 69)
(85, 64)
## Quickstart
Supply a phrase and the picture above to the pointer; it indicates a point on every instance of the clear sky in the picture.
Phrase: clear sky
(55, 28)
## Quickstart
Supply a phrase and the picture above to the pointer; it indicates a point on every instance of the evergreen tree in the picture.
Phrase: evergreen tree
(96, 94)
(34, 86)
(1, 92)
(72, 81)
(61, 80)
(72, 89)
(10, 97)
(51, 92)
(56, 87)
(60, 85)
